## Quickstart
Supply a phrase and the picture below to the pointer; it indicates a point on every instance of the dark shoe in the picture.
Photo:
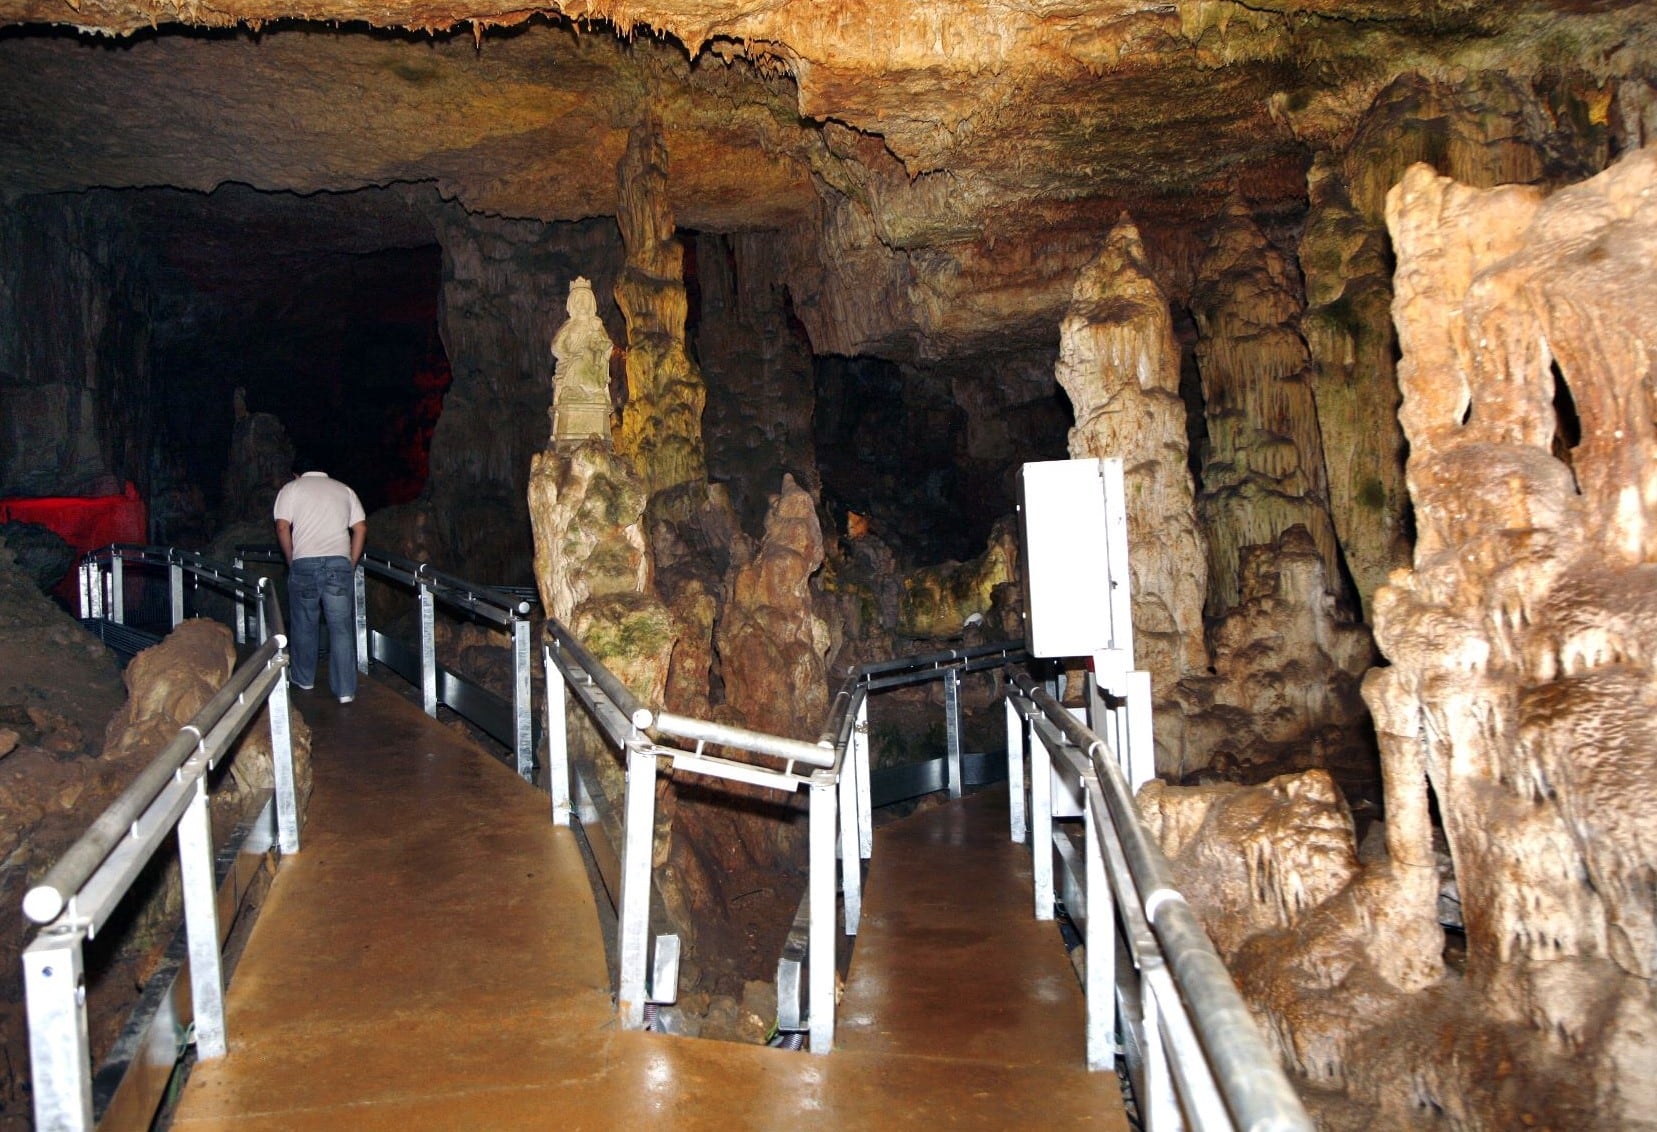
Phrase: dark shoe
(302, 687)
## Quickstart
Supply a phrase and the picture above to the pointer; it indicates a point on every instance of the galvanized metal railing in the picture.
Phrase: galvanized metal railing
(1150, 973)
(648, 966)
(511, 722)
(1168, 1005)
(80, 892)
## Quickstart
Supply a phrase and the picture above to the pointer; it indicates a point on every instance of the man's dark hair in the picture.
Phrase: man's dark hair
(307, 459)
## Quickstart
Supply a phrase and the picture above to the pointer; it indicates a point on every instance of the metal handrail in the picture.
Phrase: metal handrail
(80, 892)
(510, 722)
(69, 874)
(1256, 1092)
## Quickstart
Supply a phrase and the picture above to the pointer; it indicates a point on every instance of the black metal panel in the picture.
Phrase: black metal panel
(488, 711)
(911, 780)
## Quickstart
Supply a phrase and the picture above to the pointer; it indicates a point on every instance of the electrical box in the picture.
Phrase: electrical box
(1068, 543)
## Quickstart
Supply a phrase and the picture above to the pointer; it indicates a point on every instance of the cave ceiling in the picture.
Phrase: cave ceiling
(988, 145)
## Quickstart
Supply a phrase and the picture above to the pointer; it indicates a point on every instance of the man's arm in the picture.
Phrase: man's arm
(359, 537)
(284, 538)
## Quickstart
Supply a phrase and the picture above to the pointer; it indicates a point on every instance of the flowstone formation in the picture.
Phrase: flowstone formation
(1483, 129)
(1263, 469)
(1284, 691)
(1514, 719)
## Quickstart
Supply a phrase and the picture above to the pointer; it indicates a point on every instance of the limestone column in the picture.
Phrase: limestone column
(1520, 642)
(1120, 366)
(1348, 328)
(661, 423)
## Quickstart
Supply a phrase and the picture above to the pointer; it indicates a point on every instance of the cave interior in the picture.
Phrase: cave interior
(858, 264)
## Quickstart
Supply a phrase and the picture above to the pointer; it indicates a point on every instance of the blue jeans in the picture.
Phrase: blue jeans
(322, 585)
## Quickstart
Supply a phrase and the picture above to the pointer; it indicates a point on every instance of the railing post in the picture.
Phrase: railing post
(633, 919)
(89, 597)
(261, 622)
(54, 986)
(1041, 824)
(428, 648)
(1141, 749)
(523, 720)
(175, 589)
(201, 922)
(238, 602)
(117, 588)
(1100, 975)
(281, 757)
(1017, 732)
(558, 743)
(1160, 1108)
(821, 880)
(865, 795)
(952, 728)
(849, 848)
(359, 615)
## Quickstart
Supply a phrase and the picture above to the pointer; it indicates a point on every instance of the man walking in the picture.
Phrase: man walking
(322, 529)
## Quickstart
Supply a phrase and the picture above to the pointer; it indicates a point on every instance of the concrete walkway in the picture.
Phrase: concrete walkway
(431, 960)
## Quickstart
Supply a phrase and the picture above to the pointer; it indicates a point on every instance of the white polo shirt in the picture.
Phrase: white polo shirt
(322, 512)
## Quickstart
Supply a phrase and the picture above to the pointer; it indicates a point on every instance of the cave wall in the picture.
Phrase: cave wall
(504, 287)
(77, 415)
(1486, 129)
(756, 360)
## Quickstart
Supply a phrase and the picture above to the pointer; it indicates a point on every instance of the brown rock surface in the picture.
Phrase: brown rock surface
(60, 690)
(771, 641)
(1283, 693)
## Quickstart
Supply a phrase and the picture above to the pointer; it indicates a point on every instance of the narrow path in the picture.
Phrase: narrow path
(954, 977)
(431, 960)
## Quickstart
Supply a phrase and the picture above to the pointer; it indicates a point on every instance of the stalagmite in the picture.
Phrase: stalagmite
(661, 423)
(1514, 719)
(1120, 366)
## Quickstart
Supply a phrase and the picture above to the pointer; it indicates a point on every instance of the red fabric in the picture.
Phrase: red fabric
(84, 522)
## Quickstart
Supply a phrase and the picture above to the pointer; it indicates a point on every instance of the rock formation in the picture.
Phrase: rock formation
(771, 641)
(757, 361)
(1513, 717)
(661, 422)
(1283, 693)
(939, 602)
(261, 461)
(1263, 471)
(1120, 366)
(504, 285)
(1482, 129)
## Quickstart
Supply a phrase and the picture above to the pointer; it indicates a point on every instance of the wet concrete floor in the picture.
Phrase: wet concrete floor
(431, 960)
